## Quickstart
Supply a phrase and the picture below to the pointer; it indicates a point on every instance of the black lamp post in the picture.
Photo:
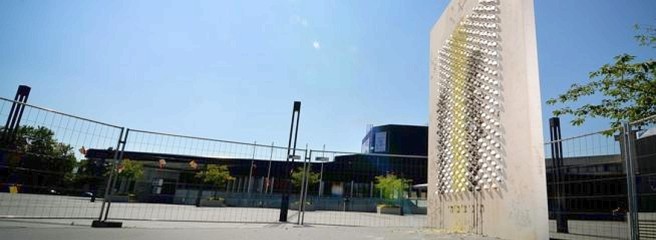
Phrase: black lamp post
(15, 114)
(557, 174)
(291, 152)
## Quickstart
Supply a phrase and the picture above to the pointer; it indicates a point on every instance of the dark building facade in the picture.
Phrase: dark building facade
(396, 149)
(595, 187)
(646, 171)
(351, 175)
(396, 139)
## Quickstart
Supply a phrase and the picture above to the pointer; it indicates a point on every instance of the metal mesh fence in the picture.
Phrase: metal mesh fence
(643, 158)
(603, 185)
(357, 189)
(586, 187)
(56, 165)
(43, 171)
(200, 179)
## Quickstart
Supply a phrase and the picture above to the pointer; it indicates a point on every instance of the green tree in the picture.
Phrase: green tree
(215, 174)
(627, 86)
(130, 171)
(297, 177)
(646, 35)
(52, 161)
(391, 186)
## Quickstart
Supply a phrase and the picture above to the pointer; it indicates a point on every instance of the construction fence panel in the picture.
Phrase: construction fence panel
(44, 172)
(587, 187)
(643, 159)
(186, 178)
(355, 189)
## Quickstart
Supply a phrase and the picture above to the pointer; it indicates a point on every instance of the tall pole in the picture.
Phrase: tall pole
(268, 178)
(323, 152)
(284, 205)
(8, 134)
(557, 166)
(250, 172)
(15, 114)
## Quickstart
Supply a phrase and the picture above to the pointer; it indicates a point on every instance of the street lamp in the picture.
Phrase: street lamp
(291, 153)
(268, 178)
(322, 160)
(250, 171)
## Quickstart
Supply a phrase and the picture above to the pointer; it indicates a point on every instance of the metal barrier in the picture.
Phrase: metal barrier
(603, 185)
(43, 172)
(345, 188)
(252, 179)
(56, 165)
(586, 187)
(187, 178)
(642, 156)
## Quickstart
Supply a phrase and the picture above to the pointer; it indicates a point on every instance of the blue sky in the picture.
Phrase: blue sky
(231, 69)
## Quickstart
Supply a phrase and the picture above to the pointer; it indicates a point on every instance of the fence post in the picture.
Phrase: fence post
(111, 182)
(628, 138)
(301, 200)
(111, 175)
(309, 168)
(120, 159)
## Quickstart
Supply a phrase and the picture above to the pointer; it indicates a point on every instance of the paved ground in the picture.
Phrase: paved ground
(324, 224)
(139, 230)
(48, 206)
(591, 230)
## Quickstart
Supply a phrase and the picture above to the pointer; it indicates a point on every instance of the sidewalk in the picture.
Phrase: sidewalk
(79, 229)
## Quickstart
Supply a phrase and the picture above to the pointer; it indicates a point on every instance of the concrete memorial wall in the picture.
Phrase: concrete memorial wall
(486, 159)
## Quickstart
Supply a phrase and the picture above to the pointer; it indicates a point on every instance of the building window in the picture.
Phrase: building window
(380, 141)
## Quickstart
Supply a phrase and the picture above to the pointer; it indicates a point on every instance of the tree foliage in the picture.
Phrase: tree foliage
(131, 170)
(627, 86)
(217, 175)
(391, 186)
(42, 152)
(646, 35)
(297, 177)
